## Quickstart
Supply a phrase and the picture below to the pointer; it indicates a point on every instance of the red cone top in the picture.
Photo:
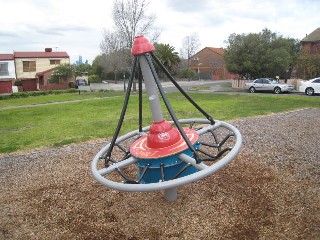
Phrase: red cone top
(162, 140)
(162, 134)
(141, 45)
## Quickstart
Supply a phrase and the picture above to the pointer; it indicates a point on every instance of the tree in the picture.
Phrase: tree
(97, 68)
(116, 55)
(167, 55)
(261, 54)
(82, 69)
(190, 46)
(61, 73)
(308, 65)
(130, 19)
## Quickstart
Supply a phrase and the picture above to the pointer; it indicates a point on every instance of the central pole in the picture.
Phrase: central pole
(151, 89)
(160, 135)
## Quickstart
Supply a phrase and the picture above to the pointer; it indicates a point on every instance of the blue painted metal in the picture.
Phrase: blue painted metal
(171, 166)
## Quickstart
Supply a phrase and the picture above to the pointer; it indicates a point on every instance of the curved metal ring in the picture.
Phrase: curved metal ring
(204, 170)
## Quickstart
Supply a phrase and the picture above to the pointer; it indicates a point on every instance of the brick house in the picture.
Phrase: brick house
(35, 68)
(308, 61)
(7, 73)
(311, 43)
(209, 64)
(32, 68)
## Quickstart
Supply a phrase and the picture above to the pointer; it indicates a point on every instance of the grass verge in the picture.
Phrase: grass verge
(56, 125)
(57, 98)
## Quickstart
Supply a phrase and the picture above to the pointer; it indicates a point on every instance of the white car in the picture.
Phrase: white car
(310, 87)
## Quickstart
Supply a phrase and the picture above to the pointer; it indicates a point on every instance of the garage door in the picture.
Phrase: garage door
(5, 86)
(29, 85)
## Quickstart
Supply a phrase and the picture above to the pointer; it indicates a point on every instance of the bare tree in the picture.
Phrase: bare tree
(111, 42)
(190, 45)
(116, 55)
(130, 20)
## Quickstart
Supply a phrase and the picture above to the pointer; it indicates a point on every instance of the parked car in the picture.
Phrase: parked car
(80, 82)
(268, 84)
(310, 87)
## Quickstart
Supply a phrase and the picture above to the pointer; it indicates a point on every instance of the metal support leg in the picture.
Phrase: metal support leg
(171, 194)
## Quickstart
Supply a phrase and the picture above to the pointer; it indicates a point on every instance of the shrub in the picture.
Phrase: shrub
(72, 90)
(20, 95)
(38, 93)
(187, 73)
(72, 85)
(18, 83)
(94, 79)
(3, 97)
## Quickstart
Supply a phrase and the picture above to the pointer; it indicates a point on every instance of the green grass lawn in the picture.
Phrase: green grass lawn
(60, 124)
(57, 98)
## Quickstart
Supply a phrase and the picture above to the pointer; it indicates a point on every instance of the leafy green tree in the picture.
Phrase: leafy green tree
(187, 73)
(82, 69)
(261, 54)
(308, 65)
(94, 79)
(62, 73)
(167, 55)
(97, 68)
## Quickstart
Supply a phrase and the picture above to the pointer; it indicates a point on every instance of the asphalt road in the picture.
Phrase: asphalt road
(219, 86)
(214, 86)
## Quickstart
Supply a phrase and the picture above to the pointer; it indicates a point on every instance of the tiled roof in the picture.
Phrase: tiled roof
(6, 57)
(42, 73)
(41, 55)
(217, 50)
(312, 37)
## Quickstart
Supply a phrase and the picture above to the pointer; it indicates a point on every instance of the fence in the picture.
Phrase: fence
(239, 83)
(54, 86)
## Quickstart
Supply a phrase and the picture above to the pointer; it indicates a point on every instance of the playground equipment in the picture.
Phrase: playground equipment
(167, 154)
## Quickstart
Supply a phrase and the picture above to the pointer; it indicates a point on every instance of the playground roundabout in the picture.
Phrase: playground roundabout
(270, 190)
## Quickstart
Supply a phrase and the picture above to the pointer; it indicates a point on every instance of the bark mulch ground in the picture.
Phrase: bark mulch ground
(270, 191)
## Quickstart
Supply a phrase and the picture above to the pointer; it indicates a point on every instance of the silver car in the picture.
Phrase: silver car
(268, 84)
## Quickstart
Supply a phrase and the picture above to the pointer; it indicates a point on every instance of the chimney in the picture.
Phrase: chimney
(48, 49)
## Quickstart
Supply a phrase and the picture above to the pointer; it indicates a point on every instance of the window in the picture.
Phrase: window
(55, 62)
(29, 66)
(4, 69)
(266, 81)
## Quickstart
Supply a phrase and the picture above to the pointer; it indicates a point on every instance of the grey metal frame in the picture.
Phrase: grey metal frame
(171, 185)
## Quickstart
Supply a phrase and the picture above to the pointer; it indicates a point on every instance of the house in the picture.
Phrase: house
(7, 73)
(35, 68)
(308, 62)
(311, 43)
(209, 64)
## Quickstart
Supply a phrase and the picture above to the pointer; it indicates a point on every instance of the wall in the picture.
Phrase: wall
(42, 64)
(54, 86)
(236, 83)
(210, 63)
(11, 69)
(311, 47)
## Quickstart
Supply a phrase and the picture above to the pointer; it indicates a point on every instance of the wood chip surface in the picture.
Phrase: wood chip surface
(270, 191)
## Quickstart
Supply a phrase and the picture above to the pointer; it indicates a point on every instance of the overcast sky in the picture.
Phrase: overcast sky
(75, 26)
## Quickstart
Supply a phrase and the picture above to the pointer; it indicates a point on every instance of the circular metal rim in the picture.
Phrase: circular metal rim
(206, 170)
